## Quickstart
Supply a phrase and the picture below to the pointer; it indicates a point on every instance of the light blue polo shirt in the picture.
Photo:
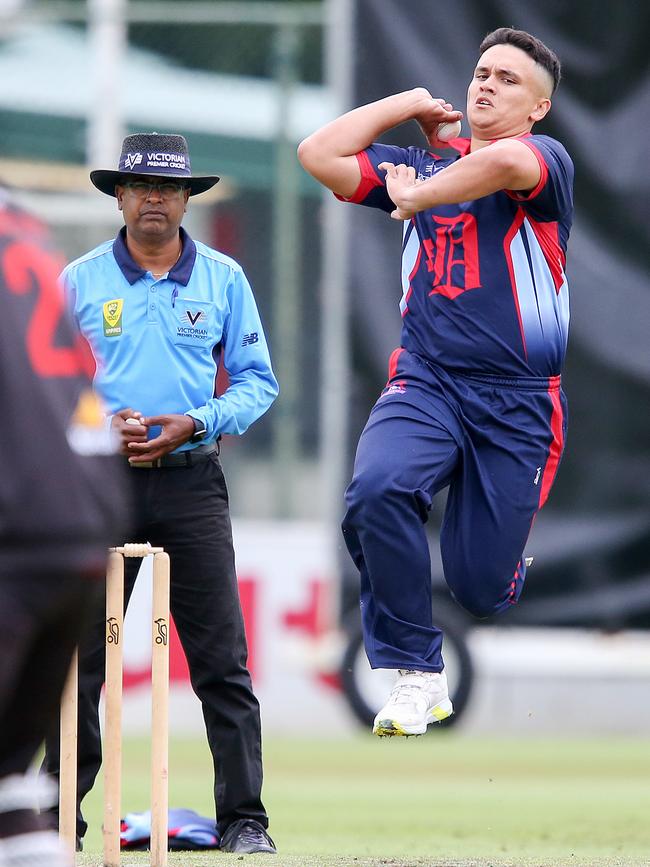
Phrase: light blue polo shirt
(158, 342)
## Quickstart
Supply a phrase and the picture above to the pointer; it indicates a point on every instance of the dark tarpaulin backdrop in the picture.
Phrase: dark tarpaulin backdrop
(592, 542)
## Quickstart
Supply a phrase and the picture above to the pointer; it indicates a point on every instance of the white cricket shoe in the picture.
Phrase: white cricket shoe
(417, 699)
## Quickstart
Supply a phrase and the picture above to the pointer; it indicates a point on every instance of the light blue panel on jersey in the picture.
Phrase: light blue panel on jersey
(410, 253)
(544, 312)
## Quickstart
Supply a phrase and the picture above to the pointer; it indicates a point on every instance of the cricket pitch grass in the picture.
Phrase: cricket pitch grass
(443, 799)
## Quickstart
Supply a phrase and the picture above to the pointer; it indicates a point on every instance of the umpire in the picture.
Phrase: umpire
(159, 310)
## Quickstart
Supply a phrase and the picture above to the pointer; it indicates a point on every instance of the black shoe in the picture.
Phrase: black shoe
(247, 836)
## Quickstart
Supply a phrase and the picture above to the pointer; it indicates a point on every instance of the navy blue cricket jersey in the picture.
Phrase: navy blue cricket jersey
(484, 285)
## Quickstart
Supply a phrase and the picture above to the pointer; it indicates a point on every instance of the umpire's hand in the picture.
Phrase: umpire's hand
(128, 426)
(176, 430)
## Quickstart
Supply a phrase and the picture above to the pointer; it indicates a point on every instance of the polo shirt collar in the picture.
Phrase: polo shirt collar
(180, 273)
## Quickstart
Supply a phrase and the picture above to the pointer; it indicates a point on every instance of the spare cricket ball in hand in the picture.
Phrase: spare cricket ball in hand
(447, 131)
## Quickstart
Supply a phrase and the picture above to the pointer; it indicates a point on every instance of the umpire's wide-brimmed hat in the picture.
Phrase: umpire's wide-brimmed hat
(157, 154)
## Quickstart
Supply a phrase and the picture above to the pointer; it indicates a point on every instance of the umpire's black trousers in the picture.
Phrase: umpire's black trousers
(185, 510)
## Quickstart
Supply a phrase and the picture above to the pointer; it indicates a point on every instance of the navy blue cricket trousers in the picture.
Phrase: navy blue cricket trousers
(495, 444)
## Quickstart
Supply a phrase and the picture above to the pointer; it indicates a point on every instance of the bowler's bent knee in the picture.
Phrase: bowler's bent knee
(488, 594)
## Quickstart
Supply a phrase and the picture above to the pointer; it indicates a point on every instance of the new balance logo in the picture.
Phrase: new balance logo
(538, 473)
(249, 339)
(132, 160)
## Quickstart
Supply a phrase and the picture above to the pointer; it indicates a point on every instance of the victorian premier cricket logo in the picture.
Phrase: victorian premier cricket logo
(192, 324)
(132, 160)
(113, 317)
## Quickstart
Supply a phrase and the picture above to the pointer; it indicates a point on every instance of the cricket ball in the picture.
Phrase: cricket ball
(447, 131)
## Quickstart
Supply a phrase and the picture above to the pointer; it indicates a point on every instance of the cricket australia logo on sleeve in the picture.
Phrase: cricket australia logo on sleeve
(113, 317)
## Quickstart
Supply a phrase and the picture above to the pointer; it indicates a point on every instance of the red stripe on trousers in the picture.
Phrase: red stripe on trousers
(555, 451)
(393, 362)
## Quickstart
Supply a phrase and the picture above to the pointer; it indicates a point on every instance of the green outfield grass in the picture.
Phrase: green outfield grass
(443, 799)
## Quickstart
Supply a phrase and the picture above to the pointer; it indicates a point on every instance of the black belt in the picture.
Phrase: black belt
(180, 459)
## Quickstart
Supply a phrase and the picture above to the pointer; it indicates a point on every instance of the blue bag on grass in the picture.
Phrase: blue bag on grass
(187, 831)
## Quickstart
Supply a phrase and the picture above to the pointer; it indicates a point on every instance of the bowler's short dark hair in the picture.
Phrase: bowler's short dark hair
(533, 47)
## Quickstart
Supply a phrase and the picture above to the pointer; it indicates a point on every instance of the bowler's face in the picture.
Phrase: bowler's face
(154, 215)
(507, 94)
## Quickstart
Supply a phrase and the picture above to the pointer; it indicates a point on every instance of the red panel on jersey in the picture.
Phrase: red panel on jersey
(512, 231)
(549, 240)
(526, 197)
(368, 182)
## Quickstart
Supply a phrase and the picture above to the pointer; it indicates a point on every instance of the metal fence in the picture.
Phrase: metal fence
(244, 82)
